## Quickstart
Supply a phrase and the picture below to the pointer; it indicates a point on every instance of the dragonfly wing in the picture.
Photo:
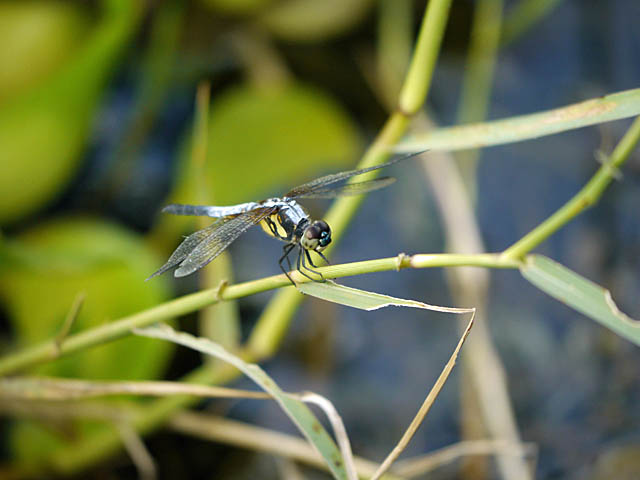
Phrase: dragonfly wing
(320, 183)
(185, 248)
(333, 191)
(219, 239)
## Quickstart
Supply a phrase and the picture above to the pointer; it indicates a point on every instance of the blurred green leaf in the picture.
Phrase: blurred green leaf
(580, 294)
(37, 37)
(311, 20)
(43, 130)
(105, 262)
(261, 139)
(32, 441)
(295, 409)
(43, 271)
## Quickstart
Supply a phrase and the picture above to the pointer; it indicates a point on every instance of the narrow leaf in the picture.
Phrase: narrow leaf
(296, 410)
(524, 127)
(581, 294)
(353, 297)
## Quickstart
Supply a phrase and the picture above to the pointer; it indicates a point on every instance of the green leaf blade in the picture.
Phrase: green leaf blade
(580, 294)
(599, 110)
(296, 410)
(364, 300)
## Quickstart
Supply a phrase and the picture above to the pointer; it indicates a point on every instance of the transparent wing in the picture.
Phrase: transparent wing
(187, 245)
(320, 183)
(333, 191)
(219, 239)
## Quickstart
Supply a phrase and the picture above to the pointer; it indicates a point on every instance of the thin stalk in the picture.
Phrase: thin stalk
(585, 198)
(189, 303)
(418, 80)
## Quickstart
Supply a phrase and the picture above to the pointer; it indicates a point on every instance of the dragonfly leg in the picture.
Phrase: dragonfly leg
(285, 256)
(308, 256)
(300, 264)
(323, 257)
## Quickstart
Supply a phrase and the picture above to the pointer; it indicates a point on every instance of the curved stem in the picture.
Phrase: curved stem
(585, 198)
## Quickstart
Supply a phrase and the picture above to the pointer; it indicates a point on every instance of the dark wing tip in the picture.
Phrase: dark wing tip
(160, 271)
(166, 267)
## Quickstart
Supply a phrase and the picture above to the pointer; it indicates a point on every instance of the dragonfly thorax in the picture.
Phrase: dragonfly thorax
(314, 235)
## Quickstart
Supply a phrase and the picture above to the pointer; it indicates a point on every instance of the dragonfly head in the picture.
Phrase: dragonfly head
(316, 236)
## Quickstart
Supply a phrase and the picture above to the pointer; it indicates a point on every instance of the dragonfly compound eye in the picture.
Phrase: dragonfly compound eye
(317, 236)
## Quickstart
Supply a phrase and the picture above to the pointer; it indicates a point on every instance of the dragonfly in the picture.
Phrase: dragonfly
(280, 217)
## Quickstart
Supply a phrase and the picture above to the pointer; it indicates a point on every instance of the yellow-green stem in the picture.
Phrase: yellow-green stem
(46, 351)
(416, 85)
(585, 198)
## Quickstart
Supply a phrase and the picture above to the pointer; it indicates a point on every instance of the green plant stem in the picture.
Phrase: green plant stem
(46, 351)
(585, 198)
(418, 80)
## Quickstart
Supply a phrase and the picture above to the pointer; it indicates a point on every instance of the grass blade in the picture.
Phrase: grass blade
(525, 127)
(580, 294)
(296, 410)
(425, 407)
(353, 297)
